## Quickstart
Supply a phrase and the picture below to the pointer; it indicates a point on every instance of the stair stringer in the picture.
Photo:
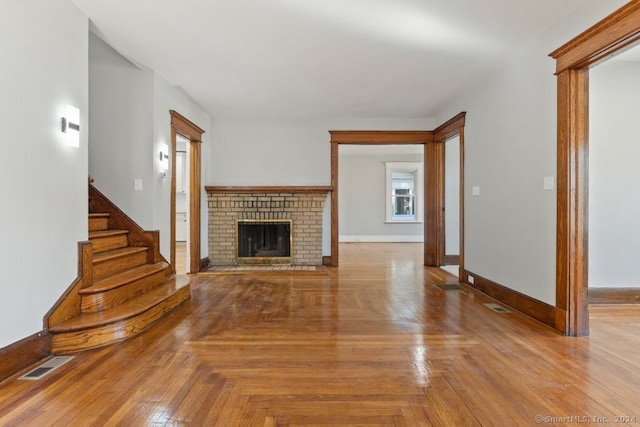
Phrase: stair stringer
(137, 236)
(69, 305)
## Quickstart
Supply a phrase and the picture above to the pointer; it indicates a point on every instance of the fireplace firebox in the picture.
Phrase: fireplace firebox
(263, 242)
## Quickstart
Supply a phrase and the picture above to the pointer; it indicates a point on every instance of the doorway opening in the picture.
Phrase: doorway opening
(614, 34)
(381, 193)
(614, 88)
(182, 204)
(184, 130)
(452, 200)
(433, 203)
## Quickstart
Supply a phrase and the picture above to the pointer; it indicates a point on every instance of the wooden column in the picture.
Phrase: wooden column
(434, 200)
(572, 203)
(194, 206)
(334, 205)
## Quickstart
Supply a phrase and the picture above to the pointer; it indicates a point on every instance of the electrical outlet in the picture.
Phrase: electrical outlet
(137, 184)
(470, 279)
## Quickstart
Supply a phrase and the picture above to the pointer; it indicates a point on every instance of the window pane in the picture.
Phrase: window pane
(403, 205)
(402, 198)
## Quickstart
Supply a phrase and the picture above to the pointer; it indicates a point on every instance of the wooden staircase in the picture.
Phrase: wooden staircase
(123, 288)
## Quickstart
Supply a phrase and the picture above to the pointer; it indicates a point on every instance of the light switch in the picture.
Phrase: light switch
(475, 190)
(137, 184)
(548, 183)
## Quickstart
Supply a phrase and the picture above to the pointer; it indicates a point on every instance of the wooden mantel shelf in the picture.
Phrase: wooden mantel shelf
(269, 189)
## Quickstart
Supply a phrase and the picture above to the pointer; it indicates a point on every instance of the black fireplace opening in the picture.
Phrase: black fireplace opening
(264, 242)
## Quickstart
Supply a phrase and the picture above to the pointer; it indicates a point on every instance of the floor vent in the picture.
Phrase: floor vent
(451, 287)
(497, 308)
(46, 368)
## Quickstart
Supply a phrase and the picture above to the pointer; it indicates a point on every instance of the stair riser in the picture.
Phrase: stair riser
(116, 265)
(98, 224)
(108, 299)
(108, 243)
(69, 342)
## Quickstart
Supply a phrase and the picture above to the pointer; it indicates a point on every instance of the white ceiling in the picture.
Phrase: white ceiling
(323, 58)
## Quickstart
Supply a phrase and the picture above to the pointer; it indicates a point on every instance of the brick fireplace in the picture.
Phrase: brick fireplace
(302, 206)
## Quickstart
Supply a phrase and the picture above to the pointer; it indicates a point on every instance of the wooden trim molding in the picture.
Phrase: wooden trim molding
(195, 198)
(69, 304)
(173, 199)
(525, 304)
(21, 355)
(268, 189)
(380, 137)
(450, 128)
(617, 32)
(335, 212)
(434, 227)
(614, 295)
(611, 35)
(572, 202)
(185, 126)
(461, 198)
(451, 259)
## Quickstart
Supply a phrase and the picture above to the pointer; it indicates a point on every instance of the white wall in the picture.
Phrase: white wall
(362, 198)
(284, 151)
(510, 145)
(130, 120)
(250, 151)
(614, 151)
(43, 182)
(121, 133)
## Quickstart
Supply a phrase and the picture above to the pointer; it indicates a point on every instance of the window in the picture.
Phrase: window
(403, 196)
(403, 191)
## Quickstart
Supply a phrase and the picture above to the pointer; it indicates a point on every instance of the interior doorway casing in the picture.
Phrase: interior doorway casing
(435, 247)
(433, 200)
(619, 31)
(187, 129)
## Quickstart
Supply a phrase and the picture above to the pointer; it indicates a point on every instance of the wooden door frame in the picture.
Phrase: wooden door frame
(433, 200)
(617, 32)
(434, 161)
(184, 127)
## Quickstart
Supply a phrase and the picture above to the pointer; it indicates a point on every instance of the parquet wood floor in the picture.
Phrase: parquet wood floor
(373, 342)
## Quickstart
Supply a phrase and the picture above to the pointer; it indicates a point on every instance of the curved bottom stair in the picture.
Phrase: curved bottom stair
(126, 291)
(91, 330)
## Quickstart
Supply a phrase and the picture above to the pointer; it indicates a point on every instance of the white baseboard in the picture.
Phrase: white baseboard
(381, 239)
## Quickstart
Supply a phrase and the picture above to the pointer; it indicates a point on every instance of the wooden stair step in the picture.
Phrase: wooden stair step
(106, 240)
(116, 289)
(117, 260)
(126, 310)
(123, 278)
(91, 330)
(98, 221)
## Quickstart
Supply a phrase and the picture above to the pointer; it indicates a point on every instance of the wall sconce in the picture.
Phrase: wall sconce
(164, 159)
(71, 126)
